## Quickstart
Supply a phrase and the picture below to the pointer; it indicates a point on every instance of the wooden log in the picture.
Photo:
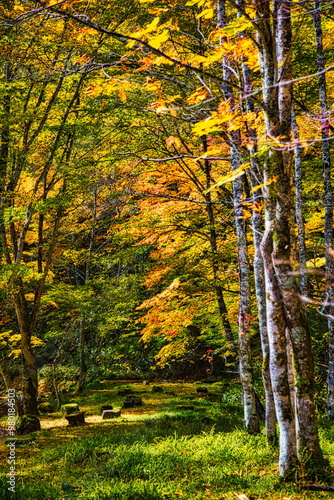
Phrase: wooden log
(110, 414)
(76, 418)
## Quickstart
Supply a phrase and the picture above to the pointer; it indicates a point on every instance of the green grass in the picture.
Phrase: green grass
(156, 453)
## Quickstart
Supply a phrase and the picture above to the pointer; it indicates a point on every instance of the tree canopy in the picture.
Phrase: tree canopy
(166, 199)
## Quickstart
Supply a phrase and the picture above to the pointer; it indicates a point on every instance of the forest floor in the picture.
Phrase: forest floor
(180, 444)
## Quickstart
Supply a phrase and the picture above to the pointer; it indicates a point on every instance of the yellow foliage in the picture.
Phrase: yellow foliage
(206, 14)
(215, 121)
(16, 353)
(316, 262)
(233, 28)
(173, 350)
(316, 223)
(15, 339)
(199, 3)
(229, 177)
(36, 342)
(269, 181)
(52, 303)
(152, 26)
(30, 297)
(152, 85)
(154, 277)
(158, 40)
(216, 55)
(162, 110)
(198, 96)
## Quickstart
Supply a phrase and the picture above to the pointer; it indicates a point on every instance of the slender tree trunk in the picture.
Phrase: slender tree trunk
(4, 156)
(326, 161)
(214, 249)
(259, 276)
(245, 359)
(299, 206)
(83, 355)
(55, 385)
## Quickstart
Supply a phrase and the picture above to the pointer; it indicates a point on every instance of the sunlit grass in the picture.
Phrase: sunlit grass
(156, 452)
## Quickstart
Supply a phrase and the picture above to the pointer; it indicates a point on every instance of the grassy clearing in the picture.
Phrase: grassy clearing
(155, 452)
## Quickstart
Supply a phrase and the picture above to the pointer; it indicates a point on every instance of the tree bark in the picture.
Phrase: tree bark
(326, 162)
(82, 355)
(299, 206)
(259, 276)
(29, 369)
(245, 360)
(285, 312)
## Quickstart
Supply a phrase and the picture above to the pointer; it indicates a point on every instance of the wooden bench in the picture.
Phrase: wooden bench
(76, 418)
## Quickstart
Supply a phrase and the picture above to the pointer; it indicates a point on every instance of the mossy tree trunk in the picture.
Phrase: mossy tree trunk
(328, 192)
(286, 317)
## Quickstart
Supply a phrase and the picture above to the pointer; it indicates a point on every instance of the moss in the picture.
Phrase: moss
(69, 408)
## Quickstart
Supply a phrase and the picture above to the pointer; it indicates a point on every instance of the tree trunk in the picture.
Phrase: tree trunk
(245, 359)
(259, 277)
(55, 386)
(83, 355)
(326, 161)
(4, 154)
(285, 311)
(276, 325)
(299, 206)
(29, 369)
(215, 268)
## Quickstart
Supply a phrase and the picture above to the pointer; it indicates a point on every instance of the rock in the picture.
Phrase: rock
(124, 392)
(157, 388)
(76, 418)
(202, 390)
(27, 423)
(105, 407)
(69, 487)
(132, 401)
(106, 414)
(46, 408)
(69, 408)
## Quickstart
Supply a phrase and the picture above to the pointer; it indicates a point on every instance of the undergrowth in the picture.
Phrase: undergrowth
(164, 453)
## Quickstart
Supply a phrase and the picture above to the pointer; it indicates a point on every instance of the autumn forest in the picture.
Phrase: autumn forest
(166, 205)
